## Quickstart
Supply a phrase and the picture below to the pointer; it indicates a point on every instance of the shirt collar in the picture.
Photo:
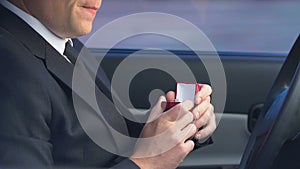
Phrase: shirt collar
(56, 42)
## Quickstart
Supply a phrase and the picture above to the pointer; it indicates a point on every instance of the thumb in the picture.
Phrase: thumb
(170, 96)
(157, 110)
(189, 145)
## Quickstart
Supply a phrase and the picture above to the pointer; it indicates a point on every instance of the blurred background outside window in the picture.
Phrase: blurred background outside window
(231, 25)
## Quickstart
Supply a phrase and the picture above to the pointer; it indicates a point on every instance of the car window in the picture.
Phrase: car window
(231, 25)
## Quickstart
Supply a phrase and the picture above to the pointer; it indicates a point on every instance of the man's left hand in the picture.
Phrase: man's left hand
(203, 111)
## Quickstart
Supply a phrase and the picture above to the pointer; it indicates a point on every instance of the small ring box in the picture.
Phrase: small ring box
(184, 91)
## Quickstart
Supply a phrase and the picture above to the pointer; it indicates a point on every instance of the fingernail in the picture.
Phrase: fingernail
(198, 136)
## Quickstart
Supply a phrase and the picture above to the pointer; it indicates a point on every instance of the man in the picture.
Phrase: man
(38, 124)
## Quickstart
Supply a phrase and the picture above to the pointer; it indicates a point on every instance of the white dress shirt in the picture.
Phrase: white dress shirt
(56, 42)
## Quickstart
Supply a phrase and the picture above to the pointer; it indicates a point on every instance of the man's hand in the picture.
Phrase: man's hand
(203, 112)
(163, 142)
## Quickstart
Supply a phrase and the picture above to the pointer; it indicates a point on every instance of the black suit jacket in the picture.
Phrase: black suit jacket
(38, 123)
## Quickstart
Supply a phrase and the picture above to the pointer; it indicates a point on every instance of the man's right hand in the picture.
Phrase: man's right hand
(164, 140)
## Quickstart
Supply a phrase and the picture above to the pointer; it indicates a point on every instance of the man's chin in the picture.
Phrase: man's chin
(79, 33)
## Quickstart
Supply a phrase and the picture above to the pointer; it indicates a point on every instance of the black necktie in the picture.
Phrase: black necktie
(71, 52)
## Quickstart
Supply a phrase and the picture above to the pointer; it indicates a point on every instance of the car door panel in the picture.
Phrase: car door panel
(249, 77)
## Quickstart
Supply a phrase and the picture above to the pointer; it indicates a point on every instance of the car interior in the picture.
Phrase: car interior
(266, 136)
(257, 44)
(256, 56)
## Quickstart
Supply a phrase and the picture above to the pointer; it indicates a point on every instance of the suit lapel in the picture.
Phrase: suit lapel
(87, 71)
(58, 66)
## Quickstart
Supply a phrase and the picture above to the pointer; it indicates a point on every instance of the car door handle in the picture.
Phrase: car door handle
(253, 115)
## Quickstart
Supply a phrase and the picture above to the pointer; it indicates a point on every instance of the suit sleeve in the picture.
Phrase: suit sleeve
(125, 164)
(24, 114)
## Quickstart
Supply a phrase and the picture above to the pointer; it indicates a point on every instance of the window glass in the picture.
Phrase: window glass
(231, 25)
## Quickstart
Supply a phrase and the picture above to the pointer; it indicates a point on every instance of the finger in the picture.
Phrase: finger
(205, 117)
(205, 91)
(187, 105)
(157, 106)
(157, 110)
(178, 111)
(208, 98)
(184, 121)
(189, 146)
(173, 113)
(199, 110)
(170, 96)
(188, 131)
(208, 129)
(183, 149)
